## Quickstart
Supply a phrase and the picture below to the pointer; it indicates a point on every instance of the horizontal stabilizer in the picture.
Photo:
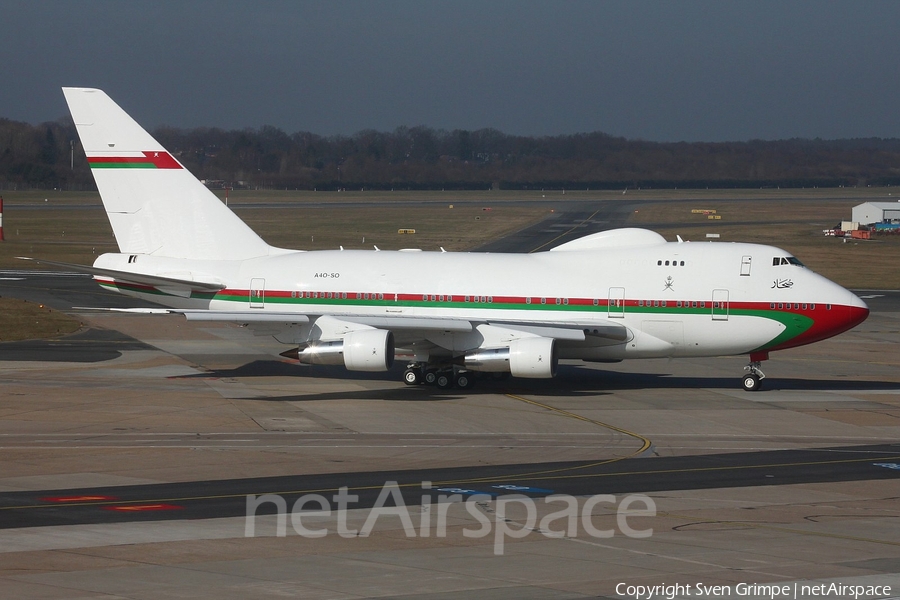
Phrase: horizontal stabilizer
(138, 278)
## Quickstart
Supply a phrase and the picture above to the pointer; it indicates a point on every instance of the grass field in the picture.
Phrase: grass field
(21, 320)
(72, 227)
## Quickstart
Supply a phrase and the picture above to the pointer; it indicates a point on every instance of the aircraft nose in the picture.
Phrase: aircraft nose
(856, 311)
(857, 302)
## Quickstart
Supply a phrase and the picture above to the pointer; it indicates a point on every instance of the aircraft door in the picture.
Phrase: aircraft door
(720, 305)
(257, 292)
(745, 265)
(616, 304)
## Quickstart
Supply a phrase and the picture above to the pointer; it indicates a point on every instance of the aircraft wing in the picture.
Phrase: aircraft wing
(252, 316)
(263, 319)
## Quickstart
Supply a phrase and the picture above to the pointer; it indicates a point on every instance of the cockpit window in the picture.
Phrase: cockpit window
(786, 260)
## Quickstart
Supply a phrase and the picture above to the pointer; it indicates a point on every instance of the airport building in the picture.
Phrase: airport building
(868, 213)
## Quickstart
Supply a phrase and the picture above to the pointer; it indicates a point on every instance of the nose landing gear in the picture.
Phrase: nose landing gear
(753, 379)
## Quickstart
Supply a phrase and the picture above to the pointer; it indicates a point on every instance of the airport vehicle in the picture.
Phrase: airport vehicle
(606, 297)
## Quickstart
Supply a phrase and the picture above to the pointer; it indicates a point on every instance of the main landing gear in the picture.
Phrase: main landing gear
(753, 379)
(443, 379)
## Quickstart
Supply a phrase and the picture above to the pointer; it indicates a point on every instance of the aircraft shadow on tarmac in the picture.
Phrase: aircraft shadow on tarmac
(572, 381)
(85, 346)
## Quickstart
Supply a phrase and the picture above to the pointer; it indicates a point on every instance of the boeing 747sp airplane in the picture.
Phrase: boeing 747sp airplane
(606, 297)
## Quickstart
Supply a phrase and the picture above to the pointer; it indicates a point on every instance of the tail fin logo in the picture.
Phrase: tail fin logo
(144, 160)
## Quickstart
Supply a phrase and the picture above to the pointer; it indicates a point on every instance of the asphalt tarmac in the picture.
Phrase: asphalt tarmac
(228, 497)
(129, 451)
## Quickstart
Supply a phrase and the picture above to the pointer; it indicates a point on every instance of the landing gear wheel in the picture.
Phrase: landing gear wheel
(412, 376)
(751, 382)
(753, 379)
(443, 381)
(464, 381)
(430, 377)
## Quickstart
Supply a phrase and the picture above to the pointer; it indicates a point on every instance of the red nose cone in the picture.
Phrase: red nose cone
(855, 316)
(828, 323)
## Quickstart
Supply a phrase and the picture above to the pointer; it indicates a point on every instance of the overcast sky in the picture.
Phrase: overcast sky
(663, 71)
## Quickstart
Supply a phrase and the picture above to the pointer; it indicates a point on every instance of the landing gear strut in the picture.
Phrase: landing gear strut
(753, 379)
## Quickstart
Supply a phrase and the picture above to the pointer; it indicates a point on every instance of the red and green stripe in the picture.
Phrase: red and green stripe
(800, 326)
(149, 160)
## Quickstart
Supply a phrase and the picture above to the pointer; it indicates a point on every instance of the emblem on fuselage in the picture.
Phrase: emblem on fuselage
(669, 283)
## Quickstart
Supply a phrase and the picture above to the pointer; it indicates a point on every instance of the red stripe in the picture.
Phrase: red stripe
(160, 160)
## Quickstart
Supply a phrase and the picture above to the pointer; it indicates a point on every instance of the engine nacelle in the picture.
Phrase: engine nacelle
(362, 350)
(535, 358)
(319, 353)
(369, 350)
(488, 360)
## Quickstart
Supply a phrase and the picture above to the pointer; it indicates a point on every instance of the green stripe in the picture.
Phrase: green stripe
(794, 324)
(134, 165)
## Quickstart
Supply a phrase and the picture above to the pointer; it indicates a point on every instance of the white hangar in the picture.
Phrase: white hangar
(868, 213)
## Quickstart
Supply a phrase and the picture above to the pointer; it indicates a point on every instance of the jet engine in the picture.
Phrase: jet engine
(361, 350)
(534, 357)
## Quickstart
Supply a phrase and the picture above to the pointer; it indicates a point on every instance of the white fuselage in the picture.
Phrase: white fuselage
(675, 299)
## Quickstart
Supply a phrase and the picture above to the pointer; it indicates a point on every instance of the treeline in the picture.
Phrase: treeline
(41, 156)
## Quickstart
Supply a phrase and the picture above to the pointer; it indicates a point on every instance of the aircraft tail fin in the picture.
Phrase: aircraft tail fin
(154, 204)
